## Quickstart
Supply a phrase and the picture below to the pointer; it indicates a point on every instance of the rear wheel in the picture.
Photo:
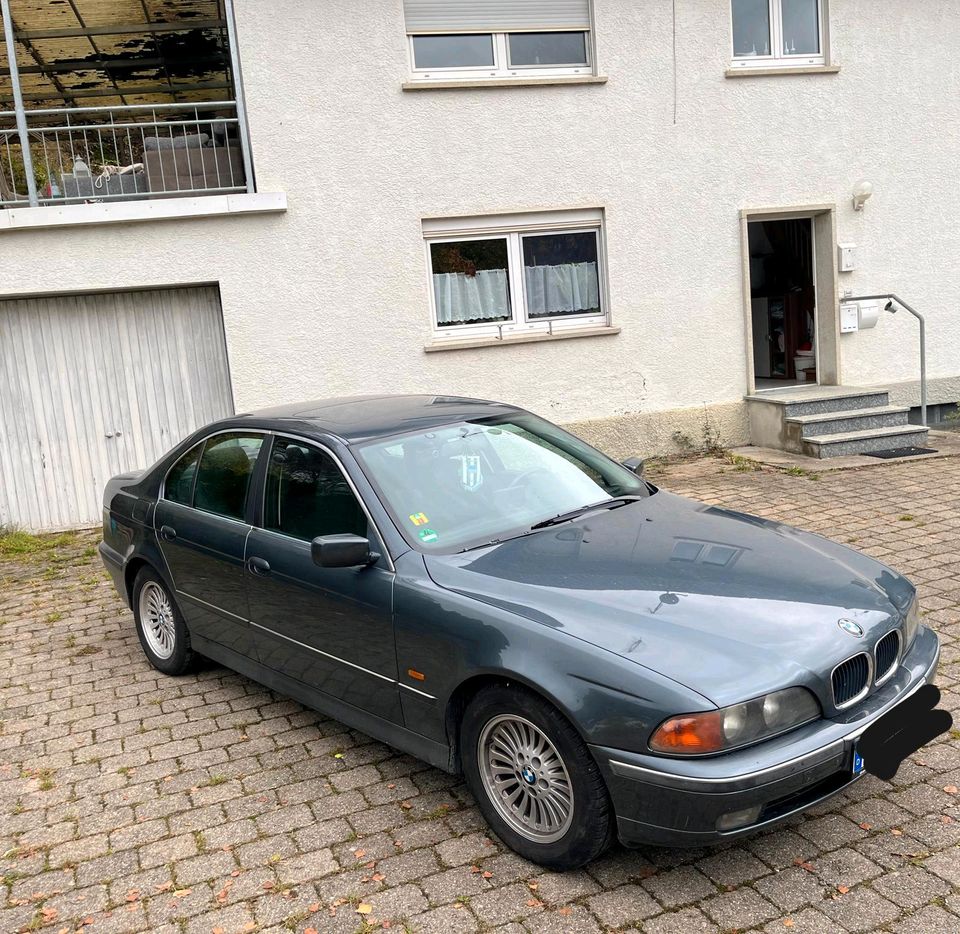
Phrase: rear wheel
(163, 634)
(534, 778)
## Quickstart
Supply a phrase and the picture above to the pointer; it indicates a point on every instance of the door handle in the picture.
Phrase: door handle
(168, 533)
(258, 566)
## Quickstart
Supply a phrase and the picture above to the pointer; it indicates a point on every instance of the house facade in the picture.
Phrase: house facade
(625, 216)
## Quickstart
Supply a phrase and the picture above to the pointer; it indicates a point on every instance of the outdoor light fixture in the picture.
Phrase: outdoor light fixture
(862, 192)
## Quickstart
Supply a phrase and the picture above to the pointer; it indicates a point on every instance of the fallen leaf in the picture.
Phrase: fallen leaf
(392, 785)
(896, 832)
(338, 755)
(310, 931)
(235, 873)
(534, 903)
(865, 826)
(843, 889)
(533, 886)
(474, 869)
(182, 893)
(313, 907)
(132, 895)
(359, 853)
(364, 909)
(487, 874)
(250, 926)
(788, 922)
(217, 931)
(566, 910)
(951, 789)
(946, 819)
(386, 924)
(268, 885)
(49, 915)
(406, 805)
(378, 877)
(803, 864)
(164, 887)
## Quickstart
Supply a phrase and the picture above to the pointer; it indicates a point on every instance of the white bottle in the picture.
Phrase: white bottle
(80, 167)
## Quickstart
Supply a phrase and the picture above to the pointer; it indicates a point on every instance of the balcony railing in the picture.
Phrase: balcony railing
(102, 154)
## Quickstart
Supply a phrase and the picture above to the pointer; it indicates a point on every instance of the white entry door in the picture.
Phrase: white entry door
(94, 385)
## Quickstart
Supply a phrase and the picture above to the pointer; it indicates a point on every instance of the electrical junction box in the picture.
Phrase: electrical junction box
(849, 317)
(846, 257)
(867, 315)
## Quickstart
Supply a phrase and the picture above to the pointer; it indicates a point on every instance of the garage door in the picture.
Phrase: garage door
(93, 385)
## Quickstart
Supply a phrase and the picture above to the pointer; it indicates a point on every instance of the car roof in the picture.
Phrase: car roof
(363, 418)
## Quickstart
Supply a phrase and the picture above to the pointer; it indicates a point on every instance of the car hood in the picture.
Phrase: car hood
(728, 604)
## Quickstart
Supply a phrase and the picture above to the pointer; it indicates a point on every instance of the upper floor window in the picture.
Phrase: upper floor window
(778, 33)
(493, 39)
(495, 276)
(118, 104)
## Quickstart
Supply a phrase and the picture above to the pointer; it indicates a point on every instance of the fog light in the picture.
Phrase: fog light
(734, 820)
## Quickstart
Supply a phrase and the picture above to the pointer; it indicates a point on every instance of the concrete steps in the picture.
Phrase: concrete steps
(830, 421)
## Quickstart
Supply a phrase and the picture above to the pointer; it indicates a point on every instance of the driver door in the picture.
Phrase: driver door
(331, 628)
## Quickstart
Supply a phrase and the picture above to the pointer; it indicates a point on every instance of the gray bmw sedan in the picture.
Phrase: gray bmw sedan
(477, 587)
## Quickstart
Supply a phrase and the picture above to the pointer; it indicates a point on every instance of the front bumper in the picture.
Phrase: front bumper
(678, 802)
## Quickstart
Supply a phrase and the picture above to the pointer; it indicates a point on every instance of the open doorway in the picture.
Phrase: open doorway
(783, 302)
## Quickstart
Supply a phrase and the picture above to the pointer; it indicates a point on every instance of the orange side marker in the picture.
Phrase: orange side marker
(416, 675)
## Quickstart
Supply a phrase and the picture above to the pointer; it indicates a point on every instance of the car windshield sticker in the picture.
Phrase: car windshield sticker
(471, 477)
(418, 518)
(428, 535)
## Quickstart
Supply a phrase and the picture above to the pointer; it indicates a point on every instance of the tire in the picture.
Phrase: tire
(163, 634)
(569, 817)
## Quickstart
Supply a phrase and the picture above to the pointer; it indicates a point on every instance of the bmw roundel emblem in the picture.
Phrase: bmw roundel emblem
(529, 776)
(848, 625)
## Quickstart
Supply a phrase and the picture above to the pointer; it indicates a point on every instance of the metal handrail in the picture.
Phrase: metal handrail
(198, 105)
(895, 299)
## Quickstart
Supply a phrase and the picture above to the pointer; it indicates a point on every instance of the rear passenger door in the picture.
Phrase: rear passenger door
(329, 628)
(202, 525)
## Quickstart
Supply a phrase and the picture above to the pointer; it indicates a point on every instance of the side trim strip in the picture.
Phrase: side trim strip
(415, 691)
(212, 606)
(335, 658)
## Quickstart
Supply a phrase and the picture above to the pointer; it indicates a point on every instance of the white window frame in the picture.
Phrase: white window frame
(783, 60)
(513, 228)
(502, 67)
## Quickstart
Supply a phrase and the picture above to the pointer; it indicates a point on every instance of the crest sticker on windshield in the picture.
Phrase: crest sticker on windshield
(419, 518)
(471, 476)
(428, 535)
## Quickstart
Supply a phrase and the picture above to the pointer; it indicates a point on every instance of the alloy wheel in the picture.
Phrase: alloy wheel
(157, 620)
(525, 778)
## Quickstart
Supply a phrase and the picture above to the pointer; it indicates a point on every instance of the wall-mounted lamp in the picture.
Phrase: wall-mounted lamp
(862, 192)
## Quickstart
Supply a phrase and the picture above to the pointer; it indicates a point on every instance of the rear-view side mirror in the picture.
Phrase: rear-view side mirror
(342, 551)
(634, 465)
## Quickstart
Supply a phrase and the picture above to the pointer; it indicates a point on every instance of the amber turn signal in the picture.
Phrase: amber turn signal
(692, 733)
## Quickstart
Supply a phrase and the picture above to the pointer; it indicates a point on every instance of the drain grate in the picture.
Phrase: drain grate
(900, 452)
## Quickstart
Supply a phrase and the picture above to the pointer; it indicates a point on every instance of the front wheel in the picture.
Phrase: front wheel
(534, 778)
(163, 634)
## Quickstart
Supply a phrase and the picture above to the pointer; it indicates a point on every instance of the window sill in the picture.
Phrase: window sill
(128, 212)
(568, 334)
(440, 85)
(782, 70)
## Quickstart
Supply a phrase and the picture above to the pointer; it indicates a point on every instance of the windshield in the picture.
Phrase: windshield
(472, 483)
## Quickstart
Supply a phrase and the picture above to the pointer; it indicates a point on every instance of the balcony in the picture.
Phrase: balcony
(104, 101)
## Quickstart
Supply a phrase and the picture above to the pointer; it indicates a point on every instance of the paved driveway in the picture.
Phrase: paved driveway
(130, 801)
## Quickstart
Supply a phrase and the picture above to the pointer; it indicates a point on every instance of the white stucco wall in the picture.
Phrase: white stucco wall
(332, 297)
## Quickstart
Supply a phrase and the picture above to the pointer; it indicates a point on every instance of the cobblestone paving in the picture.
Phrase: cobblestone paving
(134, 802)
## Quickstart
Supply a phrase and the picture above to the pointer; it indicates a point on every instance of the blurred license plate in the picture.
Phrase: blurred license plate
(857, 762)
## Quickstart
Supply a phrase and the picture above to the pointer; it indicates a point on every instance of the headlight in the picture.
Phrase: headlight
(740, 725)
(911, 624)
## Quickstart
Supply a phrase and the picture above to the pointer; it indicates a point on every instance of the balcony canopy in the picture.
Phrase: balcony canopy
(107, 53)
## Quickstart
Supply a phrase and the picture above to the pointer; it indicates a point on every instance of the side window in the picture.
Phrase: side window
(307, 495)
(224, 474)
(179, 485)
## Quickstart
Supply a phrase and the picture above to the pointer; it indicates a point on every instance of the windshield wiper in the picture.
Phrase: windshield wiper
(614, 503)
